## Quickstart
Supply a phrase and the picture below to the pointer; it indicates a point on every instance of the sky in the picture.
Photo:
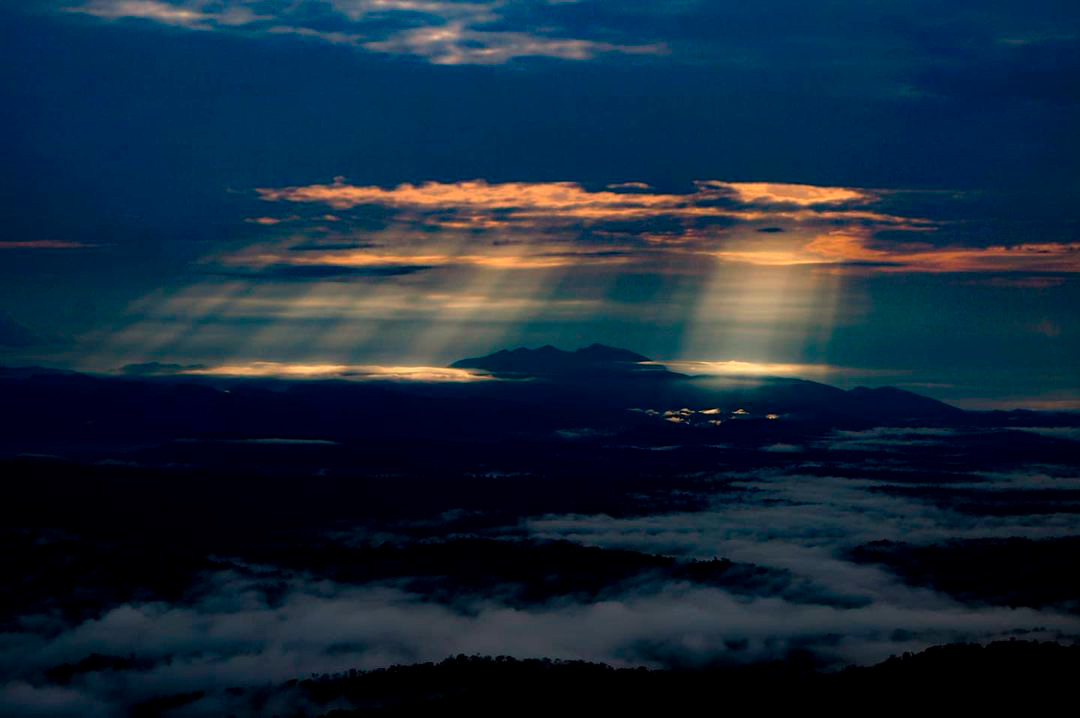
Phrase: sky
(864, 192)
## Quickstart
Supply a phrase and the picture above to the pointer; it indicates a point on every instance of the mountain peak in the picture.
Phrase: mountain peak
(895, 401)
(549, 360)
(601, 352)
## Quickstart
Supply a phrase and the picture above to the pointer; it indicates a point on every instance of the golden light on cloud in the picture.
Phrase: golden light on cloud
(474, 194)
(360, 259)
(749, 368)
(922, 257)
(570, 200)
(285, 370)
(856, 248)
(538, 225)
(799, 194)
(767, 257)
(448, 33)
(417, 303)
(748, 270)
(717, 221)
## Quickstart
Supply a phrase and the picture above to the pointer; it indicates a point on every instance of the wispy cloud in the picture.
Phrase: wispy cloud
(925, 257)
(337, 371)
(539, 225)
(710, 198)
(745, 368)
(798, 194)
(197, 15)
(457, 44)
(45, 244)
(443, 33)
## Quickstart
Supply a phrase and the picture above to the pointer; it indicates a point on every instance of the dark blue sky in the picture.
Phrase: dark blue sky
(138, 133)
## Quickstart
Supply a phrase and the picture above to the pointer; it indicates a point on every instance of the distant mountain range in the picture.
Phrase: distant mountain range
(550, 361)
(597, 391)
(616, 365)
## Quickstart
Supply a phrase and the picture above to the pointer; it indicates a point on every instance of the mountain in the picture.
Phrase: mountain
(603, 375)
(597, 391)
(548, 361)
(890, 401)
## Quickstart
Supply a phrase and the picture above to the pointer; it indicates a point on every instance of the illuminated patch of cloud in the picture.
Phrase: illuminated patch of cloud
(403, 302)
(194, 15)
(571, 201)
(797, 194)
(857, 248)
(443, 33)
(285, 370)
(924, 257)
(547, 225)
(747, 368)
(267, 221)
(456, 44)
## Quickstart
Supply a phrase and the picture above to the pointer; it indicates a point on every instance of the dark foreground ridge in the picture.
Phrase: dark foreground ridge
(1017, 674)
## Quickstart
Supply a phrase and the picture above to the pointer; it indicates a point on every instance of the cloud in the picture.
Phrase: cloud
(544, 225)
(878, 51)
(745, 368)
(265, 221)
(797, 194)
(338, 268)
(337, 371)
(20, 698)
(570, 199)
(443, 33)
(924, 257)
(14, 334)
(554, 224)
(805, 522)
(234, 631)
(455, 44)
(233, 636)
(44, 244)
(154, 368)
(195, 15)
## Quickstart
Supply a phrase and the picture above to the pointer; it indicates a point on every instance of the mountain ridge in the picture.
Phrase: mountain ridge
(548, 360)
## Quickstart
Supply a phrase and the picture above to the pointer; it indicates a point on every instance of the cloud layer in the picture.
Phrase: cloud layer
(538, 225)
(443, 33)
(250, 625)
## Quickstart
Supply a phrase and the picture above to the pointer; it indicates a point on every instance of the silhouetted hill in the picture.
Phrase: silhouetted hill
(1004, 572)
(609, 368)
(1021, 675)
(550, 361)
(584, 395)
(890, 401)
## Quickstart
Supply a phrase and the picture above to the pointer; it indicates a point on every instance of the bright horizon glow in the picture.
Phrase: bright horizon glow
(735, 367)
(285, 370)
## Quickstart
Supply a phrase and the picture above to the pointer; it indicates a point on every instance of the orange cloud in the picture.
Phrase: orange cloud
(746, 368)
(856, 246)
(537, 225)
(340, 371)
(1031, 257)
(800, 194)
(473, 202)
(516, 259)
